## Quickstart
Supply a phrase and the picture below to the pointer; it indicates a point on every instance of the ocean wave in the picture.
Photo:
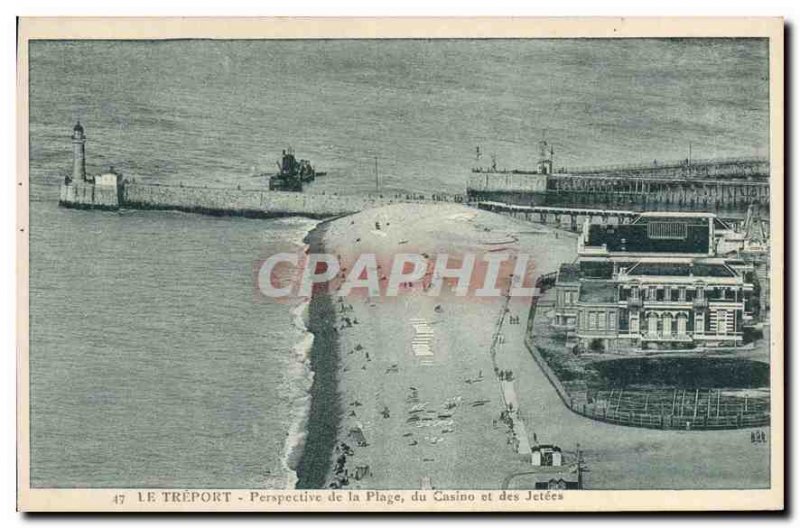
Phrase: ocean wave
(302, 377)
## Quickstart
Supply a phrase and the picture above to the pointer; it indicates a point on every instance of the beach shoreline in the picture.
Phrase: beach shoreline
(322, 422)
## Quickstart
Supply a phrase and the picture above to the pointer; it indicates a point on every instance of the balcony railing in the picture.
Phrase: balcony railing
(634, 303)
(666, 337)
(700, 304)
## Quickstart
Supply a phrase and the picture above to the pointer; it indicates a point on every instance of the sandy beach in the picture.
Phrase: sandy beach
(430, 416)
(406, 393)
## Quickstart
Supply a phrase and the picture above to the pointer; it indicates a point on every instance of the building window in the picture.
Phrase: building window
(699, 323)
(592, 321)
(681, 324)
(634, 323)
(652, 324)
(722, 322)
(666, 325)
(601, 321)
(612, 320)
(675, 294)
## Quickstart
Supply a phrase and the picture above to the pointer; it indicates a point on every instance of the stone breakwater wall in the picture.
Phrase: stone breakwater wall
(256, 203)
(84, 195)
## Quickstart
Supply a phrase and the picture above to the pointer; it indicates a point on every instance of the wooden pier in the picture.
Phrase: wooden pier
(722, 186)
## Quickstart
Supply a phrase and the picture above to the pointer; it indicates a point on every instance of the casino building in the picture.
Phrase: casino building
(656, 283)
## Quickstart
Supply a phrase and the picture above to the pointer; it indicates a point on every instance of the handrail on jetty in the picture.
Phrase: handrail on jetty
(666, 165)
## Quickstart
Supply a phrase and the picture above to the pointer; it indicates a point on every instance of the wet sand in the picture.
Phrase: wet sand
(323, 418)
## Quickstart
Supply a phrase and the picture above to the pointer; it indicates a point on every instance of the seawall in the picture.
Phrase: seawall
(85, 195)
(255, 203)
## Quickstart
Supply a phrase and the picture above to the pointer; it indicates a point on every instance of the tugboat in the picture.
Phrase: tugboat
(292, 174)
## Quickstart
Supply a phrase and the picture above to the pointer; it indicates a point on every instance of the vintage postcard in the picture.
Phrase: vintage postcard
(400, 264)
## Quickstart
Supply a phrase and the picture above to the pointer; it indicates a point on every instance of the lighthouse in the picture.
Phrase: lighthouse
(545, 165)
(78, 153)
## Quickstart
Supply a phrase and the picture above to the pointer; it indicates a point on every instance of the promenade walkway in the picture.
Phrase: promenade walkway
(620, 457)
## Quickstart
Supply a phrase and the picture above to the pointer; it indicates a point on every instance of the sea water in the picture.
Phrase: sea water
(153, 360)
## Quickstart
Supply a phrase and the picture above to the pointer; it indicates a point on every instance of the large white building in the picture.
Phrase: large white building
(655, 283)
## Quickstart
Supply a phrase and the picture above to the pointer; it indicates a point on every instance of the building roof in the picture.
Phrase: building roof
(597, 292)
(680, 236)
(593, 269)
(541, 447)
(711, 270)
(568, 273)
(681, 269)
(677, 214)
(670, 269)
(680, 215)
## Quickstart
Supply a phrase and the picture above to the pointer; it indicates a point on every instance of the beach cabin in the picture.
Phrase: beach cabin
(546, 455)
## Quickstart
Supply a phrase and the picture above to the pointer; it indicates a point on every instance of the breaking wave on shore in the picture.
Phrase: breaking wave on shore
(302, 378)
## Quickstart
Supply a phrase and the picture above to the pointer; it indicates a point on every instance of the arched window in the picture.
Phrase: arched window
(652, 323)
(682, 324)
(666, 324)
